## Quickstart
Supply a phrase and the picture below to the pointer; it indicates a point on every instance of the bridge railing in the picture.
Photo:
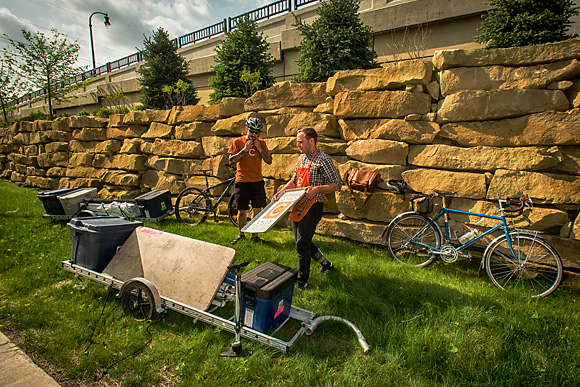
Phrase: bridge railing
(265, 12)
(204, 33)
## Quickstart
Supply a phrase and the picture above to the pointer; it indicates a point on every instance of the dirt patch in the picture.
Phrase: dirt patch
(61, 283)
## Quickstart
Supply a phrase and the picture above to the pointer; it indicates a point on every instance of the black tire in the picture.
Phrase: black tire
(138, 301)
(536, 272)
(233, 211)
(192, 206)
(402, 234)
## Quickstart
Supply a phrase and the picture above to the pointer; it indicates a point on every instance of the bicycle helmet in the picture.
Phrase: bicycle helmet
(254, 123)
(396, 186)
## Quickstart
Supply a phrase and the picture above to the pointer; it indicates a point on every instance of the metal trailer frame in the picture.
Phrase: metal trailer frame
(307, 320)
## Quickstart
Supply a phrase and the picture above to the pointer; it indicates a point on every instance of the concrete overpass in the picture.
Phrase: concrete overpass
(401, 28)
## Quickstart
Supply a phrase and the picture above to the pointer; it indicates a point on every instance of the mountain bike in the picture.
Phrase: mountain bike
(519, 259)
(194, 204)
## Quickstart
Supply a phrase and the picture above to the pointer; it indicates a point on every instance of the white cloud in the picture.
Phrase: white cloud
(12, 24)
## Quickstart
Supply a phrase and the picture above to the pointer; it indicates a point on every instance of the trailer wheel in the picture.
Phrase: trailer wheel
(140, 299)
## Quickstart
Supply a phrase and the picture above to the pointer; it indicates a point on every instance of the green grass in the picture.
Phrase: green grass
(442, 325)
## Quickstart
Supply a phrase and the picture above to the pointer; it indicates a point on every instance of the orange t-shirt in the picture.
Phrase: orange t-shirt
(249, 168)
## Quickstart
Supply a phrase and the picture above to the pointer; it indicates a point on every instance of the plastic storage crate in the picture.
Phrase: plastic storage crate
(72, 201)
(267, 296)
(155, 204)
(51, 202)
(96, 239)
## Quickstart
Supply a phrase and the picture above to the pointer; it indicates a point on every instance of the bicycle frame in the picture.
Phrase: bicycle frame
(229, 182)
(445, 213)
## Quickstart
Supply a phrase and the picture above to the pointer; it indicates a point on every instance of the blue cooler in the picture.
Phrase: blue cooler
(96, 239)
(267, 296)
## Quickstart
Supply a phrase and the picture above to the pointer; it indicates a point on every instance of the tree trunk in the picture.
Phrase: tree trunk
(3, 109)
(49, 95)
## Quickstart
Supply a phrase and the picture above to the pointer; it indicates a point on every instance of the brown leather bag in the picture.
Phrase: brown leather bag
(362, 180)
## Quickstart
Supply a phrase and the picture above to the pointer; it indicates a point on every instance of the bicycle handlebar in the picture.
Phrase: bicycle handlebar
(515, 205)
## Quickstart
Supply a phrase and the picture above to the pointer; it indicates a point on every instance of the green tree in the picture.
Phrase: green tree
(163, 66)
(243, 49)
(45, 63)
(176, 95)
(336, 40)
(526, 22)
(251, 81)
(9, 88)
(115, 99)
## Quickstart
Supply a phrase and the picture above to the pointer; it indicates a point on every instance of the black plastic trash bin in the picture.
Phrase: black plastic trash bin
(51, 202)
(96, 239)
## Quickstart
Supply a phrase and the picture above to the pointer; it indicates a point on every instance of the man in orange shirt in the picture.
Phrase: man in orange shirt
(247, 152)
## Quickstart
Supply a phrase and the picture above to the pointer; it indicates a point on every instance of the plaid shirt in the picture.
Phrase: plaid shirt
(322, 171)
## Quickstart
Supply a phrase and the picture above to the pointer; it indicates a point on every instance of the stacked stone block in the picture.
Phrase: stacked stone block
(484, 123)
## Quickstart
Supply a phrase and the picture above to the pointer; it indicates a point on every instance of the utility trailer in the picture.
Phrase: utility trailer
(155, 272)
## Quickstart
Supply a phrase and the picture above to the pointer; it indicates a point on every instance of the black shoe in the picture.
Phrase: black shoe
(301, 286)
(257, 239)
(326, 268)
(237, 239)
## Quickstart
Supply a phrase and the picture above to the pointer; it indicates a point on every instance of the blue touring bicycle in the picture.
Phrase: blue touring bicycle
(519, 259)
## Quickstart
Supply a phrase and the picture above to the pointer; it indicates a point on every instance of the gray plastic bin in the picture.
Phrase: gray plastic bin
(95, 239)
(71, 202)
(51, 202)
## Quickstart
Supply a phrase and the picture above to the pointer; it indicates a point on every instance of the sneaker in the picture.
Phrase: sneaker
(237, 239)
(326, 268)
(257, 239)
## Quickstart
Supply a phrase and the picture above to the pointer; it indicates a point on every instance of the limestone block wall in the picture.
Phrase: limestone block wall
(484, 123)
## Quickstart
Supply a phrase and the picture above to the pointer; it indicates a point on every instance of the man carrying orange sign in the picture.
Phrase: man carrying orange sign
(316, 172)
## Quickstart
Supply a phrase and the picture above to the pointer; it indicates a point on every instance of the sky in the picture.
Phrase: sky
(130, 20)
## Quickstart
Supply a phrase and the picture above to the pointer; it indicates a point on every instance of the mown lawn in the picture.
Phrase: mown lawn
(442, 325)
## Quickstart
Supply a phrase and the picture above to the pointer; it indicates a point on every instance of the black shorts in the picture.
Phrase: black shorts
(246, 192)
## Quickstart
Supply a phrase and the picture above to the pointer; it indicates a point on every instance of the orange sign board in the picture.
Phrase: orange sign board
(268, 217)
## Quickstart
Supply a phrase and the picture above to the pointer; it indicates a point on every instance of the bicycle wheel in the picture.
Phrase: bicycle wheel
(233, 211)
(192, 206)
(405, 232)
(534, 268)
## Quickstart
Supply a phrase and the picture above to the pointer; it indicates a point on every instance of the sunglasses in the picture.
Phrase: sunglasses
(254, 131)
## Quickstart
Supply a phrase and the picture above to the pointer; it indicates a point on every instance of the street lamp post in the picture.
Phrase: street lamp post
(107, 24)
